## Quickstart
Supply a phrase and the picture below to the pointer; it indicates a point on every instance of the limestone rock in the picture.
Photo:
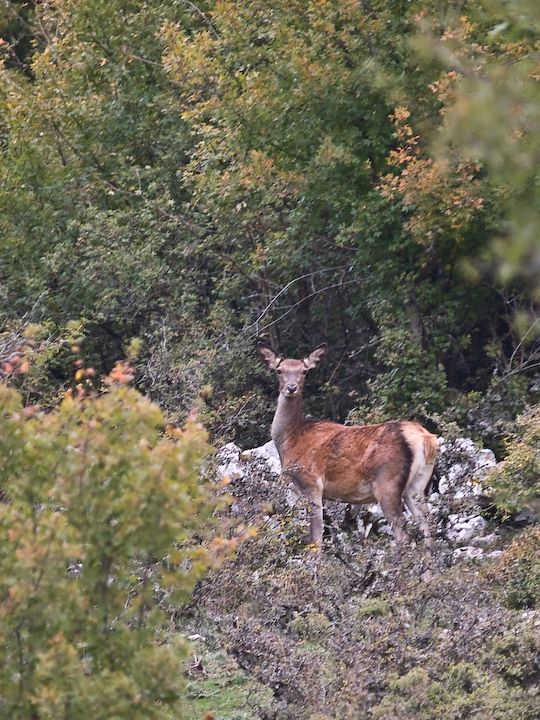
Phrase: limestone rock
(230, 467)
(268, 453)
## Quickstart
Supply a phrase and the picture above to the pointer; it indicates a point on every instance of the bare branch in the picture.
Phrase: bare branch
(313, 294)
(288, 285)
(520, 344)
(203, 17)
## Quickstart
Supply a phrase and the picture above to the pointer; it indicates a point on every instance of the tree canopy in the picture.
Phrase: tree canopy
(198, 175)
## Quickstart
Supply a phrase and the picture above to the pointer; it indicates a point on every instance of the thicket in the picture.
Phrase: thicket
(521, 464)
(100, 507)
(200, 174)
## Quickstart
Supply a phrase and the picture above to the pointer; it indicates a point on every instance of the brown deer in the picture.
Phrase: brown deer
(389, 463)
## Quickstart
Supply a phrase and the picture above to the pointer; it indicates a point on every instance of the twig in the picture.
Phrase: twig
(203, 17)
(318, 292)
(520, 343)
(288, 285)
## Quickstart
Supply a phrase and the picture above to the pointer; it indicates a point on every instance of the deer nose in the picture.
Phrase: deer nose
(292, 387)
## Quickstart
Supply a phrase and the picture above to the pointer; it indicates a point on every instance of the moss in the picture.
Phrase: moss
(373, 607)
(311, 625)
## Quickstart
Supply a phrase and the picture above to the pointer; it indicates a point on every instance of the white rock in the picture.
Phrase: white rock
(231, 466)
(291, 497)
(485, 541)
(363, 528)
(486, 458)
(463, 478)
(267, 452)
(444, 485)
(467, 553)
(375, 510)
(465, 529)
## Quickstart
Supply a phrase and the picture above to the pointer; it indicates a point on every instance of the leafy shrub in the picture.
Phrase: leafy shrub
(461, 691)
(516, 658)
(412, 382)
(98, 496)
(372, 607)
(516, 481)
(519, 570)
(311, 625)
(35, 357)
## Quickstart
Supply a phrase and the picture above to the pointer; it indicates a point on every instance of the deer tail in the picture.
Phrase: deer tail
(431, 448)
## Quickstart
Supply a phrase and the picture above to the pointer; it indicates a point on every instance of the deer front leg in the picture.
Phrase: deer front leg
(316, 522)
(311, 488)
(313, 492)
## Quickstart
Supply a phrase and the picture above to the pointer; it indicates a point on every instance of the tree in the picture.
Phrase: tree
(199, 175)
(493, 118)
(101, 506)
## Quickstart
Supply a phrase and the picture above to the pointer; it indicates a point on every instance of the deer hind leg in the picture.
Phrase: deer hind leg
(418, 510)
(388, 495)
(413, 497)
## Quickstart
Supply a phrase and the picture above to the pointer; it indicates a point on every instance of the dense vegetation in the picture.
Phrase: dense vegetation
(96, 500)
(178, 179)
(199, 175)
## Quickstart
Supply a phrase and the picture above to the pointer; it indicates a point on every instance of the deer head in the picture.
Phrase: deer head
(291, 373)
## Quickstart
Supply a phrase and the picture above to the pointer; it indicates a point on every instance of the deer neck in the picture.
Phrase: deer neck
(288, 419)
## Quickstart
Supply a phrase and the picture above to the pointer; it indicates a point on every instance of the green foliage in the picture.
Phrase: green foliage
(493, 117)
(409, 375)
(97, 498)
(516, 481)
(311, 625)
(373, 607)
(217, 686)
(515, 657)
(197, 175)
(518, 570)
(35, 358)
(462, 691)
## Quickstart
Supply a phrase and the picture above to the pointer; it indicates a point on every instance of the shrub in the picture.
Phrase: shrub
(98, 496)
(519, 570)
(372, 607)
(516, 481)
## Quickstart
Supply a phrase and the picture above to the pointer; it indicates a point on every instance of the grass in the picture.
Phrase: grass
(217, 688)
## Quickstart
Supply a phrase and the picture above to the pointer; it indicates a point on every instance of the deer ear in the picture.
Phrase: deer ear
(315, 356)
(268, 355)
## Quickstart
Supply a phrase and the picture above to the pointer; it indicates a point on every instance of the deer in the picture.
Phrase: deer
(389, 463)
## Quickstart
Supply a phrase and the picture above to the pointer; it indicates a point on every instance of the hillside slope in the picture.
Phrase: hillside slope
(365, 629)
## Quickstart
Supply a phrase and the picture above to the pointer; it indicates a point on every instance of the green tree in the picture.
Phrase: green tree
(299, 174)
(493, 117)
(197, 175)
(516, 481)
(101, 505)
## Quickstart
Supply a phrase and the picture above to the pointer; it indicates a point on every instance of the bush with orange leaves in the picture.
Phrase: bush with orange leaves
(444, 200)
(98, 496)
